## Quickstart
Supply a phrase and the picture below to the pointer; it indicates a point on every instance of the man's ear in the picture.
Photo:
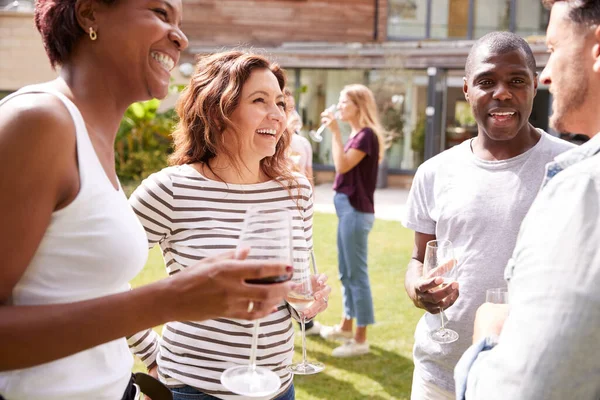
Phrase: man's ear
(85, 14)
(465, 88)
(596, 50)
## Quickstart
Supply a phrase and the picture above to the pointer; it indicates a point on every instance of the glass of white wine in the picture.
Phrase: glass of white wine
(439, 261)
(497, 296)
(267, 233)
(302, 298)
(317, 136)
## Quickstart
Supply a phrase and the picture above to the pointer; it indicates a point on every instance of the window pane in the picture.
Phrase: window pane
(449, 19)
(406, 18)
(320, 88)
(490, 16)
(401, 97)
(532, 18)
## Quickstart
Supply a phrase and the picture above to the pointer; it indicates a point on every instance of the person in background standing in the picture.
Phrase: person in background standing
(356, 165)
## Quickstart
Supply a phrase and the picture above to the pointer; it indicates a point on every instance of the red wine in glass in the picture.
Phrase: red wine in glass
(270, 280)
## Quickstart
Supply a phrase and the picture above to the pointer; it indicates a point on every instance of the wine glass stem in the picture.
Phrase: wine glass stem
(442, 317)
(302, 326)
(254, 345)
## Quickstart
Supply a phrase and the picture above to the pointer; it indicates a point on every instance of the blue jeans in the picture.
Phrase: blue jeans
(352, 240)
(190, 393)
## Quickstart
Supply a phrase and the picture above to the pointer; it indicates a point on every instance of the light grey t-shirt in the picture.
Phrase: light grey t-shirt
(479, 206)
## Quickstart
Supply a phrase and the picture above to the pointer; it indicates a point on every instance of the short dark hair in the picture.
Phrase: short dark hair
(500, 42)
(57, 23)
(583, 12)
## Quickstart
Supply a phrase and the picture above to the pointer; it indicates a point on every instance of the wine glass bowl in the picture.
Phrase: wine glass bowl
(266, 235)
(440, 262)
(316, 136)
(496, 296)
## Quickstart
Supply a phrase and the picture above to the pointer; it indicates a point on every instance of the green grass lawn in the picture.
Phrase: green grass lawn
(386, 373)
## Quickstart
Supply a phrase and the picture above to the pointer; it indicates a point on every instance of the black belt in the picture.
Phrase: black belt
(148, 385)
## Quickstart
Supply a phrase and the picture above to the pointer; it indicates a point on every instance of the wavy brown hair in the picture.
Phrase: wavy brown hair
(206, 105)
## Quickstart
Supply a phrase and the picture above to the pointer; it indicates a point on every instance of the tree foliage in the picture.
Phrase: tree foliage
(143, 141)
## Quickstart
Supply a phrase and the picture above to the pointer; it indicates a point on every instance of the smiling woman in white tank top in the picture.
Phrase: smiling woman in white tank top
(69, 240)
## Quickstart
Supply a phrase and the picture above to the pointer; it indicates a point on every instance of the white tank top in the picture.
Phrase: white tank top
(93, 247)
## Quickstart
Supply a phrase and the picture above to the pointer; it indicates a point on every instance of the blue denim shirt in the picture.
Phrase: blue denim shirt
(549, 347)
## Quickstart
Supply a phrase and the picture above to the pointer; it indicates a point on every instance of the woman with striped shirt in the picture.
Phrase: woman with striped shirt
(230, 154)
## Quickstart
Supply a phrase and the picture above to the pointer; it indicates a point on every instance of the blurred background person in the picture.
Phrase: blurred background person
(356, 165)
(300, 154)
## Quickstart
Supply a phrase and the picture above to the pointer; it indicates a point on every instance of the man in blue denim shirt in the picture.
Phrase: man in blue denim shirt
(549, 345)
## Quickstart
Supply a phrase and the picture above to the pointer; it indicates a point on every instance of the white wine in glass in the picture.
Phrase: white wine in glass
(302, 298)
(267, 233)
(439, 261)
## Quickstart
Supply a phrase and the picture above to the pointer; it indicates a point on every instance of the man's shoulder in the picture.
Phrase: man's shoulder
(555, 144)
(586, 169)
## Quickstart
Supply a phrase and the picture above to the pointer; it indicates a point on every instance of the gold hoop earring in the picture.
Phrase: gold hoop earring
(93, 34)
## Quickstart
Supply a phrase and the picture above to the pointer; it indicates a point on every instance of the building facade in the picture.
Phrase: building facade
(411, 53)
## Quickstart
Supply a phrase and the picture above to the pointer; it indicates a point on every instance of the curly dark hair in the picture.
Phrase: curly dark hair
(206, 104)
(583, 12)
(57, 23)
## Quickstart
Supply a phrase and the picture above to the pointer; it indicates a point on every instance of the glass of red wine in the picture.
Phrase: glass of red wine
(267, 234)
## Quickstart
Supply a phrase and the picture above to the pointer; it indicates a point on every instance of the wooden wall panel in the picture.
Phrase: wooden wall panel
(273, 22)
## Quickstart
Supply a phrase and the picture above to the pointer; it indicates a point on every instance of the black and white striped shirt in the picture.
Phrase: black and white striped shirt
(192, 217)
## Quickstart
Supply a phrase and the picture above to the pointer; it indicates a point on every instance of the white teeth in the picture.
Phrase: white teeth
(503, 113)
(164, 60)
(272, 132)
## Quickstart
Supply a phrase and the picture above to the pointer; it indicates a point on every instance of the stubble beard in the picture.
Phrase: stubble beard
(568, 108)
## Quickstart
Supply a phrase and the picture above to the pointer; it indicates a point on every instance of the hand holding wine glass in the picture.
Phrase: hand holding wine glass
(317, 136)
(223, 277)
(267, 235)
(431, 295)
(303, 298)
(439, 263)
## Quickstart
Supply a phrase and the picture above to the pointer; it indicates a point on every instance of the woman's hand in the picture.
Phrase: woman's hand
(328, 119)
(321, 293)
(216, 287)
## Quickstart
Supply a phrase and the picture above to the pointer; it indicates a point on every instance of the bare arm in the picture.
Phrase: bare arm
(419, 289)
(39, 176)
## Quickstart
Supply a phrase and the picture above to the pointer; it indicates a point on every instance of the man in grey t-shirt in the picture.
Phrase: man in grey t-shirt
(475, 195)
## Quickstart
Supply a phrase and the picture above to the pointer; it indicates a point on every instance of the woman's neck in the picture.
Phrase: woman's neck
(355, 126)
(221, 168)
(102, 109)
